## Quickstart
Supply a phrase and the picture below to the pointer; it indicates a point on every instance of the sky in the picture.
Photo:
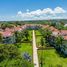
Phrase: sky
(32, 9)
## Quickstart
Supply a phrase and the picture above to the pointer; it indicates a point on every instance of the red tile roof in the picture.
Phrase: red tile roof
(65, 37)
(18, 28)
(52, 28)
(45, 26)
(63, 32)
(6, 34)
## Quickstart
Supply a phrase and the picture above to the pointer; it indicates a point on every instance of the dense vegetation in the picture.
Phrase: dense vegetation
(17, 54)
(48, 52)
(11, 57)
(50, 40)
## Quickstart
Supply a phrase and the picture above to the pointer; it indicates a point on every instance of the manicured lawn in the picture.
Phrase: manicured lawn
(26, 47)
(38, 40)
(30, 35)
(52, 59)
(37, 32)
(38, 37)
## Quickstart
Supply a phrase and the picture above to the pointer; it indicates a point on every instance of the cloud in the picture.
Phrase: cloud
(19, 13)
(47, 13)
(59, 10)
(42, 14)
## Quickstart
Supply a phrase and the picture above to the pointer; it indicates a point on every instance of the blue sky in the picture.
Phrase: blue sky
(23, 9)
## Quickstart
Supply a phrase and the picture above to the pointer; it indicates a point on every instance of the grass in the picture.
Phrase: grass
(38, 40)
(23, 47)
(52, 59)
(30, 34)
(38, 37)
(26, 47)
(37, 32)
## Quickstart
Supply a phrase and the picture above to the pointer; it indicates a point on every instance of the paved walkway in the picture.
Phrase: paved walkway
(35, 56)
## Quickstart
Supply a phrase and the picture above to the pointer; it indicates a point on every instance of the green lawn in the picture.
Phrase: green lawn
(22, 47)
(37, 32)
(52, 59)
(38, 37)
(26, 47)
(38, 40)
(30, 35)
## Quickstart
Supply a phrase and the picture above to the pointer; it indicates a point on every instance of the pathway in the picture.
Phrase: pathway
(35, 56)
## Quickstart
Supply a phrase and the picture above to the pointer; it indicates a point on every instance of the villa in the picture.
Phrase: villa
(63, 32)
(8, 37)
(8, 33)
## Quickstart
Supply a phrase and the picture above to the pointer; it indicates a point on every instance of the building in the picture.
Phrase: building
(8, 37)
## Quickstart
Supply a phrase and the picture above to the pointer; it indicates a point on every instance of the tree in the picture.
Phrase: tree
(47, 34)
(26, 34)
(42, 44)
(11, 57)
(8, 52)
(53, 24)
(59, 41)
(59, 26)
(42, 41)
(18, 37)
(1, 38)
